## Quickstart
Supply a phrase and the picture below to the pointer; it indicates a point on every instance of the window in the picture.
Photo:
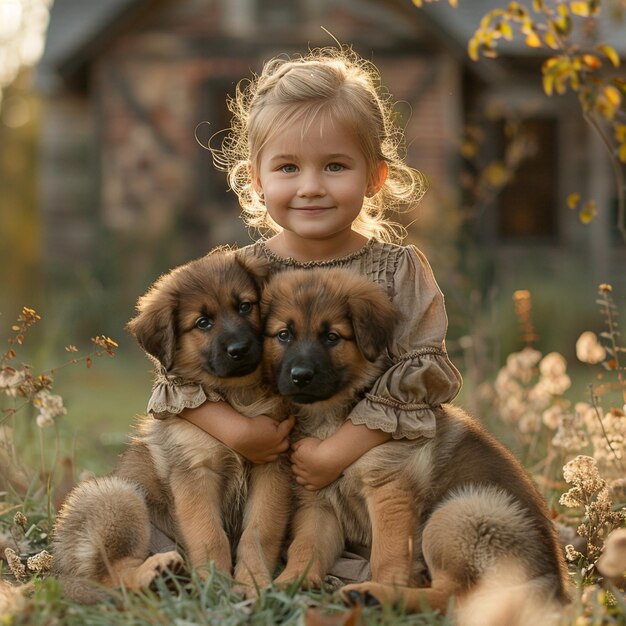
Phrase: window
(528, 204)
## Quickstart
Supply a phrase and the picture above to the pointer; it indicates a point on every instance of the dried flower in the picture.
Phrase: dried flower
(28, 317)
(20, 519)
(106, 343)
(40, 563)
(582, 471)
(590, 492)
(553, 365)
(571, 554)
(570, 434)
(589, 349)
(553, 416)
(50, 406)
(15, 564)
(11, 380)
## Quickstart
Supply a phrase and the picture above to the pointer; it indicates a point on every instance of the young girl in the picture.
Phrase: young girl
(315, 160)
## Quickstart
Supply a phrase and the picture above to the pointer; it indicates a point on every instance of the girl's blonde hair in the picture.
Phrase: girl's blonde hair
(335, 83)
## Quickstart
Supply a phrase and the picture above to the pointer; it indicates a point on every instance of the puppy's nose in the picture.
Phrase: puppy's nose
(237, 349)
(301, 376)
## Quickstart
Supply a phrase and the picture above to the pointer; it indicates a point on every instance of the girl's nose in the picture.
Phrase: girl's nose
(310, 185)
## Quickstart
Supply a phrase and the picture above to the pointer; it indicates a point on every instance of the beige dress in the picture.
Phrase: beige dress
(403, 399)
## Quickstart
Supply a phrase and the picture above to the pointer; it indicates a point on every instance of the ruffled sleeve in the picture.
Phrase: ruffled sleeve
(171, 394)
(404, 400)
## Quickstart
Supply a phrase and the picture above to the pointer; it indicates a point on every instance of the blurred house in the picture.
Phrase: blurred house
(130, 84)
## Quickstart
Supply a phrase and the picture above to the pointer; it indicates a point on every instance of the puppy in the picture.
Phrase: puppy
(459, 502)
(201, 322)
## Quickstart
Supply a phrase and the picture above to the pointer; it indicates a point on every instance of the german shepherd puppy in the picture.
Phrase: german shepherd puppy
(458, 502)
(200, 322)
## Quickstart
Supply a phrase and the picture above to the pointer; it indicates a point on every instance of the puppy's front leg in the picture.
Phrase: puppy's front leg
(264, 525)
(317, 542)
(197, 501)
(393, 518)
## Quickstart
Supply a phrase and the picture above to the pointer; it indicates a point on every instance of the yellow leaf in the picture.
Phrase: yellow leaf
(532, 40)
(610, 54)
(620, 132)
(506, 30)
(573, 199)
(580, 8)
(613, 95)
(551, 40)
(537, 5)
(550, 63)
(417, 3)
(496, 174)
(453, 3)
(548, 84)
(592, 61)
(563, 24)
(622, 153)
(588, 212)
(472, 48)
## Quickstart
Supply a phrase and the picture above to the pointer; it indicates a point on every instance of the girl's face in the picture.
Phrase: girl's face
(314, 180)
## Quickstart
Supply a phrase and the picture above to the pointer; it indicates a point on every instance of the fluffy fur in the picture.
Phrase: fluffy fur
(442, 512)
(200, 322)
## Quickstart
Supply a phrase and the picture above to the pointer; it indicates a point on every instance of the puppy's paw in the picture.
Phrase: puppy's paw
(248, 584)
(156, 566)
(368, 594)
(307, 581)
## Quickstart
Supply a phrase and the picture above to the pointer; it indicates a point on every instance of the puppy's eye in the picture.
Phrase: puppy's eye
(204, 323)
(284, 335)
(245, 308)
(332, 338)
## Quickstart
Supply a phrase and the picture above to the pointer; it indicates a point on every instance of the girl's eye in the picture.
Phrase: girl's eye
(290, 168)
(245, 308)
(204, 323)
(284, 336)
(335, 167)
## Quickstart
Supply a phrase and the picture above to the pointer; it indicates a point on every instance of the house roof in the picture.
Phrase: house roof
(77, 29)
(73, 25)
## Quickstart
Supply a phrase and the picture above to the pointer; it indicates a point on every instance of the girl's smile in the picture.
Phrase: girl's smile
(313, 178)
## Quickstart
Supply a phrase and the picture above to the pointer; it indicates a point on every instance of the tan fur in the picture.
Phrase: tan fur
(458, 503)
(174, 477)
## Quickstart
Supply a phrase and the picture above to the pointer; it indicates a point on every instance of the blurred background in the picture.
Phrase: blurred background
(103, 185)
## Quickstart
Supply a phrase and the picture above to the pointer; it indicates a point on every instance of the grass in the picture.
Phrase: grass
(210, 601)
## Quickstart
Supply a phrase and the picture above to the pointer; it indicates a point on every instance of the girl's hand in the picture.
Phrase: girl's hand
(259, 439)
(263, 439)
(314, 464)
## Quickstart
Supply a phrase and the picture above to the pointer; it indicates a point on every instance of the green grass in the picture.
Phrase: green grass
(196, 601)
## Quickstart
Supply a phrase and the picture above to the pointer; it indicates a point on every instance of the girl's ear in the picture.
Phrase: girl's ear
(379, 176)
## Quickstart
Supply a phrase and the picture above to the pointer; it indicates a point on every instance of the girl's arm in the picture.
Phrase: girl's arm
(317, 463)
(259, 439)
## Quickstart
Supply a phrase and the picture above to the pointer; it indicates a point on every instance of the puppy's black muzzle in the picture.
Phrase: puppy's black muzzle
(237, 353)
(307, 375)
(302, 376)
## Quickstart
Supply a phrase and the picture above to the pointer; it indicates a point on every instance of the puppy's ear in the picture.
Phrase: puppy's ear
(373, 319)
(258, 268)
(154, 327)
